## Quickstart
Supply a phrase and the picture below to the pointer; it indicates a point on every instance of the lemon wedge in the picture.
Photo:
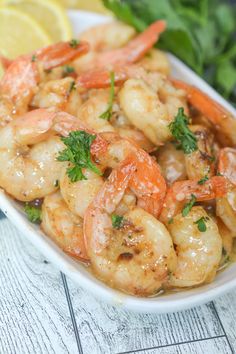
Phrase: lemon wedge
(19, 33)
(49, 14)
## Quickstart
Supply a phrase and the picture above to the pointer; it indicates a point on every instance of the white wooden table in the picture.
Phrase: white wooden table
(42, 311)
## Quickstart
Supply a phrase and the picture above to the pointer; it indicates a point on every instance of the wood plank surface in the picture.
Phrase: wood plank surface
(35, 318)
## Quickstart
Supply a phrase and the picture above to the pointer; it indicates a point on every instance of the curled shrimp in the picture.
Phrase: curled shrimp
(203, 157)
(29, 147)
(182, 191)
(135, 258)
(62, 226)
(222, 120)
(23, 74)
(130, 53)
(226, 205)
(198, 253)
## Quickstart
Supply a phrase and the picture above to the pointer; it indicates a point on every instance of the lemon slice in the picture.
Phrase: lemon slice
(49, 14)
(19, 34)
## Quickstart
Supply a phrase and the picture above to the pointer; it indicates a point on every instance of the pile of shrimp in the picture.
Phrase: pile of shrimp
(147, 217)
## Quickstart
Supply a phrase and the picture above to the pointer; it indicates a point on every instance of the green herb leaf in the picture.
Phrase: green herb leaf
(117, 221)
(170, 221)
(74, 43)
(186, 139)
(68, 69)
(188, 206)
(72, 87)
(108, 112)
(33, 58)
(201, 223)
(78, 154)
(203, 180)
(33, 214)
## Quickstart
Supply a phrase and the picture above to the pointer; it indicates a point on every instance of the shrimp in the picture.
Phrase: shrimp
(101, 37)
(145, 109)
(58, 93)
(182, 191)
(91, 110)
(155, 60)
(135, 258)
(23, 74)
(150, 187)
(226, 206)
(227, 237)
(172, 163)
(198, 253)
(130, 53)
(84, 190)
(62, 226)
(203, 157)
(222, 121)
(28, 151)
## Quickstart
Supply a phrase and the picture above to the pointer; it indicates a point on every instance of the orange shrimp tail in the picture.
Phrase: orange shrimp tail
(60, 53)
(135, 49)
(100, 78)
(5, 62)
(204, 103)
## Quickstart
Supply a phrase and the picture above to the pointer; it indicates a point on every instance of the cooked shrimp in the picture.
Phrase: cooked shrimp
(203, 157)
(172, 163)
(146, 111)
(62, 226)
(29, 150)
(78, 195)
(198, 253)
(23, 74)
(150, 187)
(91, 110)
(59, 93)
(222, 120)
(227, 237)
(182, 191)
(135, 258)
(101, 37)
(133, 51)
(226, 206)
(155, 60)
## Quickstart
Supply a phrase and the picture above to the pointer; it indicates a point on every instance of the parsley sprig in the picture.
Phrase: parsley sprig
(33, 213)
(108, 112)
(185, 138)
(78, 154)
(201, 223)
(117, 221)
(203, 180)
(188, 206)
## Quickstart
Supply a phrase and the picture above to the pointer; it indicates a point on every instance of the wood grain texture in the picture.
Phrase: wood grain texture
(113, 330)
(34, 315)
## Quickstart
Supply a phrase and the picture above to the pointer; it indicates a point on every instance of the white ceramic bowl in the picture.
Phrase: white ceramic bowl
(224, 281)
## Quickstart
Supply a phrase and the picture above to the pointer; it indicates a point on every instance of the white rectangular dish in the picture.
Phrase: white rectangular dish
(224, 281)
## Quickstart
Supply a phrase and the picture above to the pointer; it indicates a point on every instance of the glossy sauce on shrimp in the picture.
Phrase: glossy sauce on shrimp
(135, 171)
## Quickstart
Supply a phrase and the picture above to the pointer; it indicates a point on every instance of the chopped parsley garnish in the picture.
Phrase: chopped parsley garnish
(203, 180)
(74, 43)
(219, 174)
(170, 221)
(201, 223)
(188, 206)
(33, 58)
(56, 183)
(33, 214)
(185, 138)
(78, 145)
(117, 221)
(72, 86)
(68, 69)
(108, 112)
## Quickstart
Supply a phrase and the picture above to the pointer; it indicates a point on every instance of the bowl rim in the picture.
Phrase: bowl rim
(69, 266)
